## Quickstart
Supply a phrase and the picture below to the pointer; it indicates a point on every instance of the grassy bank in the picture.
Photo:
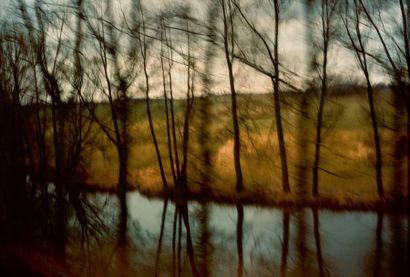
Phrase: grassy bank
(347, 157)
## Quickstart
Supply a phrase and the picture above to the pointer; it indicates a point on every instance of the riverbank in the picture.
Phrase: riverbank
(273, 198)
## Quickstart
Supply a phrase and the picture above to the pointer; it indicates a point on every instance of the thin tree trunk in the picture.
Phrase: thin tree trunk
(278, 118)
(169, 139)
(189, 106)
(281, 140)
(376, 138)
(325, 20)
(318, 142)
(152, 130)
(173, 127)
(229, 61)
(363, 63)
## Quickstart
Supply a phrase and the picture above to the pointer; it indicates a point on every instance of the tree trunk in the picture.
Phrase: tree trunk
(237, 141)
(376, 137)
(155, 141)
(278, 118)
(122, 193)
(281, 140)
(318, 142)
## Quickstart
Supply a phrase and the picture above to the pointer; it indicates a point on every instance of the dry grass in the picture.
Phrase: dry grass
(347, 156)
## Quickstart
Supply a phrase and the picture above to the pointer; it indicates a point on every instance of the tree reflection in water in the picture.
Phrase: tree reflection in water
(184, 238)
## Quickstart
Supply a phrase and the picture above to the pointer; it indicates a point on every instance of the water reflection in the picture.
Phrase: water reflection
(239, 238)
(316, 232)
(285, 245)
(379, 246)
(183, 238)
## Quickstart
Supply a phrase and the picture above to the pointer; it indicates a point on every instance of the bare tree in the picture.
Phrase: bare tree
(177, 143)
(51, 72)
(143, 50)
(228, 38)
(396, 65)
(357, 44)
(327, 13)
(273, 56)
(114, 80)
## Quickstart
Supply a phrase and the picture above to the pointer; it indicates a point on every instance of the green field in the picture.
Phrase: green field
(347, 153)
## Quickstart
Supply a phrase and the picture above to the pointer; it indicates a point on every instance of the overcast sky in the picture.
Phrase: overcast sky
(293, 45)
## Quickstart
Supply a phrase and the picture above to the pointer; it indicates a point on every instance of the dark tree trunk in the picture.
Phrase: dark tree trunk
(325, 20)
(229, 61)
(154, 138)
(318, 142)
(281, 140)
(278, 118)
(173, 126)
(376, 138)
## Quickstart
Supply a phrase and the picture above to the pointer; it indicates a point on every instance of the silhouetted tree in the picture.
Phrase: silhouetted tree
(357, 44)
(326, 15)
(274, 76)
(396, 65)
(228, 39)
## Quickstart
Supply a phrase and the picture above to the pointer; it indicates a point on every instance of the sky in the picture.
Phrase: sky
(293, 45)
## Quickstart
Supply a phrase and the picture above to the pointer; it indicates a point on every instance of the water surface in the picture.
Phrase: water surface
(211, 239)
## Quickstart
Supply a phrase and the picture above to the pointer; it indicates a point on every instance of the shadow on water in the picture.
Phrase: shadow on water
(188, 238)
